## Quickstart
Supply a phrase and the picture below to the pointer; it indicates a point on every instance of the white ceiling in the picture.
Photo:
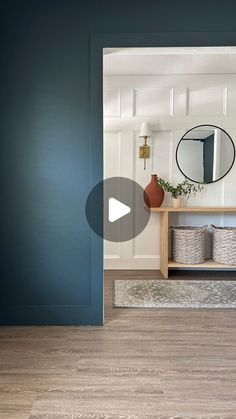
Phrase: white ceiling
(184, 60)
(199, 133)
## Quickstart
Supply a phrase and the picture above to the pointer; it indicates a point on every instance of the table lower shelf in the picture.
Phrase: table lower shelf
(207, 264)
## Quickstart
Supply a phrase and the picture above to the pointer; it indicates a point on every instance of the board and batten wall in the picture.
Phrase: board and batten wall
(172, 104)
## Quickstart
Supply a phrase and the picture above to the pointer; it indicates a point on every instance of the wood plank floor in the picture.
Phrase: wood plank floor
(143, 364)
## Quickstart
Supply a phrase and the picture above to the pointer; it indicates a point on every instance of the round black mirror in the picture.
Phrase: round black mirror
(205, 154)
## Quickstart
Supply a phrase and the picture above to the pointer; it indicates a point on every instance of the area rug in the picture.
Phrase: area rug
(161, 293)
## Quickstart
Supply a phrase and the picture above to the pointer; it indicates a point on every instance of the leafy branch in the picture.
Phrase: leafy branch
(184, 188)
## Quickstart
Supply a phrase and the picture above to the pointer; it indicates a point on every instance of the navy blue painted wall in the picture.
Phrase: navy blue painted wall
(45, 259)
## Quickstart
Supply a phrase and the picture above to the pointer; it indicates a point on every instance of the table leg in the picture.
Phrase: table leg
(164, 225)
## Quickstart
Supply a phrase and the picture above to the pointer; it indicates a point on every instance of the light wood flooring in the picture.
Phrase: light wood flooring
(143, 364)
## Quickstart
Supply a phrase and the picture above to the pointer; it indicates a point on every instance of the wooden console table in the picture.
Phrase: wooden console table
(165, 262)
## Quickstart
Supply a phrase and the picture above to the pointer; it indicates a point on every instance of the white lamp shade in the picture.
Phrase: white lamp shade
(145, 130)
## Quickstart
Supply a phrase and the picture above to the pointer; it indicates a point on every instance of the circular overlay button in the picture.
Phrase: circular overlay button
(115, 209)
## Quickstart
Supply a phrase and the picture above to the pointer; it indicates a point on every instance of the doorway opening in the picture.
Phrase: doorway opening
(173, 89)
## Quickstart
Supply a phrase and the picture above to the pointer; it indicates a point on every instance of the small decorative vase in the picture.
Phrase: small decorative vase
(177, 202)
(153, 193)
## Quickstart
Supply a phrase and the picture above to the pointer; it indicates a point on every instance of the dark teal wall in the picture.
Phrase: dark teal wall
(45, 259)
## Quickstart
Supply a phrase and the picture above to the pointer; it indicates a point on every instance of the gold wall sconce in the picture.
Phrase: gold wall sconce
(144, 150)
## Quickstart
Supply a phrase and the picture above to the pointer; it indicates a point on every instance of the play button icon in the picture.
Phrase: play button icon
(115, 209)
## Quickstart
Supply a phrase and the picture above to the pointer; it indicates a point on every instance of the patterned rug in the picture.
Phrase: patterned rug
(161, 293)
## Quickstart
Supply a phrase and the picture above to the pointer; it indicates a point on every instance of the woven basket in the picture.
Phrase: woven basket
(188, 244)
(224, 245)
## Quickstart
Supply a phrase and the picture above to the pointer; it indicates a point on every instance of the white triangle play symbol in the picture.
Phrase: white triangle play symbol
(117, 210)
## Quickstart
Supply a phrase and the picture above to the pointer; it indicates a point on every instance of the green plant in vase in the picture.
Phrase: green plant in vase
(182, 189)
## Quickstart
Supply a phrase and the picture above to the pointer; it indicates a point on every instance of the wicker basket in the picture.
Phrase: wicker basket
(188, 244)
(224, 245)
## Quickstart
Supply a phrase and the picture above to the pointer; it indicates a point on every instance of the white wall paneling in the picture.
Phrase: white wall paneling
(112, 167)
(172, 104)
(111, 102)
(208, 101)
(152, 101)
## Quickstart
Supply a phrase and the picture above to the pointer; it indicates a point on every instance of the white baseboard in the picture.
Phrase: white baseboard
(138, 262)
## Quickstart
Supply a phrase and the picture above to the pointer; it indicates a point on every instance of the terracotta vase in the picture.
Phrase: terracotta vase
(153, 193)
